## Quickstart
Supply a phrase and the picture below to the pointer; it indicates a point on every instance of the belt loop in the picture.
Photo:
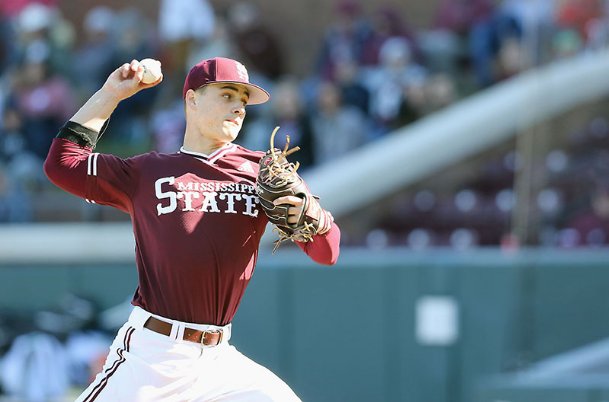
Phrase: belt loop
(175, 329)
(138, 317)
(180, 332)
(228, 328)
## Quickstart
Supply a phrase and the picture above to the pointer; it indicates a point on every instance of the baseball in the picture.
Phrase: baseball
(152, 70)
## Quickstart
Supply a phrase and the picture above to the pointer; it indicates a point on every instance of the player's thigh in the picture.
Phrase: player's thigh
(249, 381)
(143, 366)
(110, 378)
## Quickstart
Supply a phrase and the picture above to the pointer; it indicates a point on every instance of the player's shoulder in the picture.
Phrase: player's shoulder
(153, 158)
(155, 155)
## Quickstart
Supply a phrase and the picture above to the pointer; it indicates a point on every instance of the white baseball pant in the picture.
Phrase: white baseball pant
(145, 366)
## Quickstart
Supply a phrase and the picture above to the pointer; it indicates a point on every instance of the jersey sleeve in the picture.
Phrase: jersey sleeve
(325, 248)
(98, 178)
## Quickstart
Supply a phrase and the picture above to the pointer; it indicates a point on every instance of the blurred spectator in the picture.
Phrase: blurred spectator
(440, 91)
(23, 167)
(43, 98)
(389, 83)
(12, 141)
(578, 14)
(511, 60)
(353, 92)
(220, 44)
(288, 112)
(7, 44)
(15, 203)
(168, 127)
(181, 24)
(386, 23)
(32, 28)
(96, 54)
(38, 25)
(128, 128)
(26, 373)
(86, 351)
(337, 129)
(344, 39)
(134, 36)
(532, 22)
(597, 29)
(255, 43)
(446, 45)
(11, 8)
(566, 43)
(458, 16)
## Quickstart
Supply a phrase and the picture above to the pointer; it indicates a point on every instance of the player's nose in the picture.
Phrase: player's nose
(239, 110)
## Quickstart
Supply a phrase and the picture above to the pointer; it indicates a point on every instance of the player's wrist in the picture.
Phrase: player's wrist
(325, 222)
(109, 95)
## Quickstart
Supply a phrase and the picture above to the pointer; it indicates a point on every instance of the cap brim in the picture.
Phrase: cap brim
(257, 95)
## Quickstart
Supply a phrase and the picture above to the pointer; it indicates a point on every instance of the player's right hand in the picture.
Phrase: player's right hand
(126, 81)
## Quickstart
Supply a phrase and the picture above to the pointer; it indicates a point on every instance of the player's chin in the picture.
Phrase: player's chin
(231, 130)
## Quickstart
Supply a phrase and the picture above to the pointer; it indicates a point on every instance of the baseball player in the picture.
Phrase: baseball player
(197, 224)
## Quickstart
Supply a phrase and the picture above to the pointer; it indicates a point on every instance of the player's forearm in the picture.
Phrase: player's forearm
(97, 110)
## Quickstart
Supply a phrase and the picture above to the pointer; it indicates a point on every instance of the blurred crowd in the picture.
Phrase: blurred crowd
(373, 73)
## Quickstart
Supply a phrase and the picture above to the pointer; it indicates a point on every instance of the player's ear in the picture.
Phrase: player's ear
(191, 98)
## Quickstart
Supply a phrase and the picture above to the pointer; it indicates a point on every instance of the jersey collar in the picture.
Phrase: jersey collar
(214, 156)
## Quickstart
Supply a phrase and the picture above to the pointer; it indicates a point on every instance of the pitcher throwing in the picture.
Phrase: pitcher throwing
(197, 222)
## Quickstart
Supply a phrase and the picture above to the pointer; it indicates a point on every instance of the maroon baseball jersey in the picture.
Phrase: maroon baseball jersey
(196, 220)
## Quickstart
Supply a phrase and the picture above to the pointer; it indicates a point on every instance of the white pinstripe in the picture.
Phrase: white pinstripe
(92, 169)
(95, 156)
(92, 164)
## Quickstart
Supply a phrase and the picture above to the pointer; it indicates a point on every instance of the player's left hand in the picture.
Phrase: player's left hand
(296, 207)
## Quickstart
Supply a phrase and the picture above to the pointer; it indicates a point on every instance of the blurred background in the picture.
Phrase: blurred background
(462, 146)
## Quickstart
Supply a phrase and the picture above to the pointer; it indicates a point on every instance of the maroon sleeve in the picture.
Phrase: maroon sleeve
(324, 249)
(98, 178)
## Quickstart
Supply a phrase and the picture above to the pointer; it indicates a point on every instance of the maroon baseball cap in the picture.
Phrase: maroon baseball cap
(221, 69)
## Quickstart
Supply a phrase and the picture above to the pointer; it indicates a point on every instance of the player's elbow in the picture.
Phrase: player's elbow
(331, 261)
(55, 171)
(51, 169)
(59, 168)
(327, 258)
(331, 256)
(334, 244)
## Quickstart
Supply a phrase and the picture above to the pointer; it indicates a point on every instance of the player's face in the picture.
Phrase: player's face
(220, 110)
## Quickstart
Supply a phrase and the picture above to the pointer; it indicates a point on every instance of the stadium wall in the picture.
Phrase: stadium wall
(390, 326)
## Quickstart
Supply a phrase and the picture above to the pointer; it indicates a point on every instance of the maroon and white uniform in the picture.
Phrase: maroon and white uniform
(197, 226)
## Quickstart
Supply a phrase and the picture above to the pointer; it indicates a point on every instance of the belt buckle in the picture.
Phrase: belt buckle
(214, 331)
